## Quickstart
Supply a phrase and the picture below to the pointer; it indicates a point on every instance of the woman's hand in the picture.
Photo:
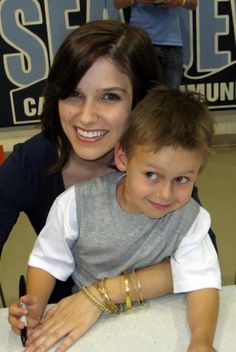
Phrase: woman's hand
(71, 318)
(33, 313)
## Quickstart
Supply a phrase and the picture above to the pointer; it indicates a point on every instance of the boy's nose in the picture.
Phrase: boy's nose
(164, 191)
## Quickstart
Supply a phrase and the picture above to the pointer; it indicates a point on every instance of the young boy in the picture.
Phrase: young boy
(139, 216)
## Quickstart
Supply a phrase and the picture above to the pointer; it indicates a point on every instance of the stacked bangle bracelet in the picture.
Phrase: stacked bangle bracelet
(95, 300)
(128, 302)
(107, 301)
(104, 302)
(97, 293)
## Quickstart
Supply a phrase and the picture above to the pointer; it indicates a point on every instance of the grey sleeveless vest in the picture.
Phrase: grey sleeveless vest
(111, 241)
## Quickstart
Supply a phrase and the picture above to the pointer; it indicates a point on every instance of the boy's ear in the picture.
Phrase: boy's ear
(120, 158)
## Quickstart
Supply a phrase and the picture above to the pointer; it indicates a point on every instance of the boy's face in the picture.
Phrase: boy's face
(157, 183)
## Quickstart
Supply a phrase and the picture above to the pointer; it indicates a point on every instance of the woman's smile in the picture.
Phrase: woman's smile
(94, 115)
(89, 136)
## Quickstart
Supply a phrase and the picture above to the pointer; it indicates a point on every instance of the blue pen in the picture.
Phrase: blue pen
(22, 292)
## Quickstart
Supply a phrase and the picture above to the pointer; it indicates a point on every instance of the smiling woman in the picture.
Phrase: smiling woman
(95, 113)
(130, 72)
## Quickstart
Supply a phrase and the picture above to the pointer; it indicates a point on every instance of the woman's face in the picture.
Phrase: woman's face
(93, 117)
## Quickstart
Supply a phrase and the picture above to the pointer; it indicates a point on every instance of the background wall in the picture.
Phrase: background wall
(31, 31)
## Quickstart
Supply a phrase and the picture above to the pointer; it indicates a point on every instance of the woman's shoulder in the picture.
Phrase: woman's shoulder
(38, 144)
(38, 149)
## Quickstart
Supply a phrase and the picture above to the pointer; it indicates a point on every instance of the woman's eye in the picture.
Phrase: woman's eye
(74, 94)
(151, 175)
(111, 97)
(182, 179)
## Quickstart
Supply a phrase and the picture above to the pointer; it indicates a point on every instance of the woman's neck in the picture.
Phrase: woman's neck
(77, 169)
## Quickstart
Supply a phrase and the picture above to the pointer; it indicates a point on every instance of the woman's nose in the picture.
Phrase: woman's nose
(88, 113)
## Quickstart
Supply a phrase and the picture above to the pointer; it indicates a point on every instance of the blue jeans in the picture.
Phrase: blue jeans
(171, 62)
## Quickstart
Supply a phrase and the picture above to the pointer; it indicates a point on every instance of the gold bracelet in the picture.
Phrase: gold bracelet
(93, 299)
(108, 302)
(128, 302)
(135, 283)
(141, 300)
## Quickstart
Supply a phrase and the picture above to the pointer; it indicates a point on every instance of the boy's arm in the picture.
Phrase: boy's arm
(202, 313)
(40, 285)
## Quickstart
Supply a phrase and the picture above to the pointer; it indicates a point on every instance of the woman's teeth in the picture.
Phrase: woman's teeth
(90, 134)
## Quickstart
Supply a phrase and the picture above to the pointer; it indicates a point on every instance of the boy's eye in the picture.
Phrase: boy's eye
(151, 175)
(182, 179)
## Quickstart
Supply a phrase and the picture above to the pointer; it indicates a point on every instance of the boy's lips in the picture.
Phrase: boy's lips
(159, 206)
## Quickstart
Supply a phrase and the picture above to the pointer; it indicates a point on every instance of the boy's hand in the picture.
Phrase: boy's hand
(33, 313)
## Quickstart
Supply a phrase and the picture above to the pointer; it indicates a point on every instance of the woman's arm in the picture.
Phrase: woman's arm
(73, 316)
(155, 280)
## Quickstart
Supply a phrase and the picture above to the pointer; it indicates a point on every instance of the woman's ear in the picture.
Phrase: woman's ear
(120, 158)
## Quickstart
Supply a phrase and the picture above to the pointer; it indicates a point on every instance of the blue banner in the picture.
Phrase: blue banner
(210, 52)
(32, 30)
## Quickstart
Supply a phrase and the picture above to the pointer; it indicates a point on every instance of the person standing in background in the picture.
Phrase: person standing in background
(162, 21)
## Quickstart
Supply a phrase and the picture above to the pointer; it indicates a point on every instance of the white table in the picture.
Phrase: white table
(159, 326)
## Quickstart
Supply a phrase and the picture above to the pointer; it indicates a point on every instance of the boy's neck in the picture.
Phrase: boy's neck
(121, 196)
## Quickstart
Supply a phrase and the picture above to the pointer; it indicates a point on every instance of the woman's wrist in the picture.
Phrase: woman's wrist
(116, 290)
(128, 290)
(141, 284)
(119, 286)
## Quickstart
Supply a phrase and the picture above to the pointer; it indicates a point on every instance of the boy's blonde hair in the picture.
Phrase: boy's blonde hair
(167, 117)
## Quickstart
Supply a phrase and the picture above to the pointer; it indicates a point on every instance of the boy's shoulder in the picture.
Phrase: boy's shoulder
(98, 184)
(184, 216)
(190, 209)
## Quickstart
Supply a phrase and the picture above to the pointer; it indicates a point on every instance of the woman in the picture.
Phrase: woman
(43, 167)
(99, 74)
